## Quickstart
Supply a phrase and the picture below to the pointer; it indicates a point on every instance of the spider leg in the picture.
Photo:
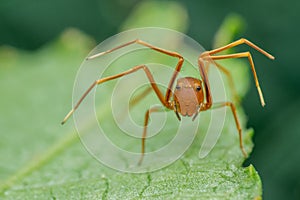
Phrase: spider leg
(239, 42)
(132, 70)
(146, 121)
(202, 64)
(238, 126)
(165, 100)
(241, 55)
(209, 56)
(143, 43)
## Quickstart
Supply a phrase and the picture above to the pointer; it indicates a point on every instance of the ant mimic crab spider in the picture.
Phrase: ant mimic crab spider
(191, 95)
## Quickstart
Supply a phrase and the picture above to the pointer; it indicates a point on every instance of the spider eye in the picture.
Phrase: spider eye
(177, 87)
(198, 88)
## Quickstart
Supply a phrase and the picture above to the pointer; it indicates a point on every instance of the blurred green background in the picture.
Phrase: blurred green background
(273, 25)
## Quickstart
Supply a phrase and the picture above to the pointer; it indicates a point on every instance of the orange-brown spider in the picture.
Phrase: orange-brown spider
(191, 95)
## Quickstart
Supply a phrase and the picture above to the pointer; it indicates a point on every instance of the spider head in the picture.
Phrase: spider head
(188, 96)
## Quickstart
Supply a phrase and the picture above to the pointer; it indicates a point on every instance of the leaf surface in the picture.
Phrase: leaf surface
(40, 159)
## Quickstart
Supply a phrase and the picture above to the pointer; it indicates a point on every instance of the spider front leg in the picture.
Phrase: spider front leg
(155, 48)
(132, 70)
(209, 55)
(247, 55)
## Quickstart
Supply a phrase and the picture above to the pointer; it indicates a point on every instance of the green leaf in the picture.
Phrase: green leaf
(41, 159)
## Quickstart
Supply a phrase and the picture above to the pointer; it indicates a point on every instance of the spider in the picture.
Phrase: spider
(191, 95)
